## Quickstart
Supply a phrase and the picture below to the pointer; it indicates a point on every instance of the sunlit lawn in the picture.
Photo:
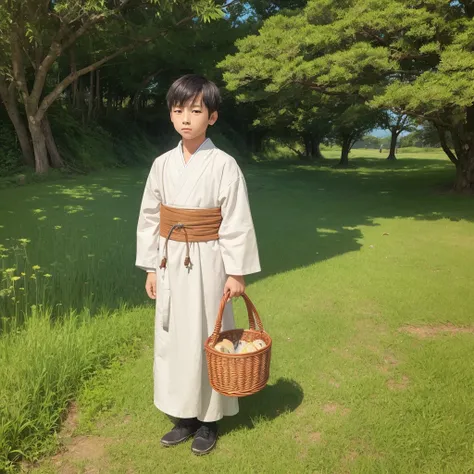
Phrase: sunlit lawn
(352, 260)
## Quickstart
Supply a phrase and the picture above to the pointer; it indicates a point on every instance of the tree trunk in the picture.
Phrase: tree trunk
(463, 139)
(74, 84)
(465, 175)
(39, 146)
(462, 136)
(109, 107)
(311, 148)
(80, 100)
(393, 144)
(306, 156)
(91, 97)
(54, 156)
(346, 148)
(255, 141)
(98, 94)
(316, 151)
(8, 96)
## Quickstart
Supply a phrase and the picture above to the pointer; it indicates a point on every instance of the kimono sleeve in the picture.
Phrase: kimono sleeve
(148, 224)
(237, 238)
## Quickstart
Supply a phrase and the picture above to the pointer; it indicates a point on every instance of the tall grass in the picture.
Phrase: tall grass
(44, 364)
(68, 246)
(67, 277)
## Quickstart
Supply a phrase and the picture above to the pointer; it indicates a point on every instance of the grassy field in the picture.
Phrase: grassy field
(366, 291)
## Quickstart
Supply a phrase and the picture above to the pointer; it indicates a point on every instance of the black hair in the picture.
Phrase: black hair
(188, 87)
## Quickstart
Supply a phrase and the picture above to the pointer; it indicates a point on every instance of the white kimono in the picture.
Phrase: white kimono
(188, 300)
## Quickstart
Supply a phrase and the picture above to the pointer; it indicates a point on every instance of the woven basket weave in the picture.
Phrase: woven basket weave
(239, 375)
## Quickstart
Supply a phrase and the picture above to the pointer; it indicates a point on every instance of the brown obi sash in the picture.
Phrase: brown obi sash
(188, 225)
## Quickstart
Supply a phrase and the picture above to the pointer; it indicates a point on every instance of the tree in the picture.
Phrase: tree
(396, 123)
(294, 115)
(351, 122)
(425, 135)
(412, 56)
(263, 71)
(38, 34)
(368, 141)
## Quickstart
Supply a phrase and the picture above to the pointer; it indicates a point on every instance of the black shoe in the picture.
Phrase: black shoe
(182, 431)
(205, 439)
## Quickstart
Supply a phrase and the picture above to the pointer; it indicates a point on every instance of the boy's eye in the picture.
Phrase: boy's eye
(196, 111)
(177, 111)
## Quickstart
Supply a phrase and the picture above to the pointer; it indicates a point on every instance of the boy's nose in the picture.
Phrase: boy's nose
(186, 118)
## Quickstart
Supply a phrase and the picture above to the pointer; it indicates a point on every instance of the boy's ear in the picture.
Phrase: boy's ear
(213, 118)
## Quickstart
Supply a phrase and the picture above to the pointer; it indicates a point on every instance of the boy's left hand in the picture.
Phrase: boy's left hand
(234, 286)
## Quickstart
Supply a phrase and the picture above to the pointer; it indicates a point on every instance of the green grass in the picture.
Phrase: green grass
(66, 255)
(350, 256)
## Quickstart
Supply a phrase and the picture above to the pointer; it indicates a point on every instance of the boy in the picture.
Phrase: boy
(196, 240)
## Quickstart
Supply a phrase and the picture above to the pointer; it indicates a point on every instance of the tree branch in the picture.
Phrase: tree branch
(322, 89)
(94, 19)
(145, 83)
(294, 150)
(18, 67)
(399, 121)
(68, 80)
(3, 90)
(444, 145)
(183, 20)
(405, 123)
(353, 141)
(379, 39)
(43, 69)
(57, 48)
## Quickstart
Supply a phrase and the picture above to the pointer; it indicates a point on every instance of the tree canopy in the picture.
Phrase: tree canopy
(300, 71)
(411, 57)
(37, 35)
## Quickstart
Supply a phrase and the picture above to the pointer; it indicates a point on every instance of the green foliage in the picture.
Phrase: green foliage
(352, 122)
(43, 367)
(10, 152)
(116, 141)
(71, 38)
(410, 57)
(426, 136)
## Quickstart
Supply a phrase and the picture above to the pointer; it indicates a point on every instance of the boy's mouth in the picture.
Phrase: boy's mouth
(186, 129)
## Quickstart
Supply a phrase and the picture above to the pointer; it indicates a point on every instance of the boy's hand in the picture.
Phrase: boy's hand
(235, 286)
(150, 285)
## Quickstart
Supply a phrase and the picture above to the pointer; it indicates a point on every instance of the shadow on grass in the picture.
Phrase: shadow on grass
(309, 213)
(274, 400)
(303, 213)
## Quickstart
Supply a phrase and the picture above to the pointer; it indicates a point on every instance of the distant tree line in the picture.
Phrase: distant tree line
(74, 73)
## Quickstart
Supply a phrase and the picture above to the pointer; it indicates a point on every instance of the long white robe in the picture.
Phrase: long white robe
(188, 300)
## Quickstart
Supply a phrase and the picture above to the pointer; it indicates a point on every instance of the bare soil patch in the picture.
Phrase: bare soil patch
(424, 332)
(333, 408)
(398, 384)
(87, 451)
(315, 437)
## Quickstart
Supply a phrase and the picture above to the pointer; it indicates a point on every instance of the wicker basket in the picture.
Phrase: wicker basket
(238, 375)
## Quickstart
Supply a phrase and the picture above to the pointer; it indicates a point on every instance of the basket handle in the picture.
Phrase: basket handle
(254, 319)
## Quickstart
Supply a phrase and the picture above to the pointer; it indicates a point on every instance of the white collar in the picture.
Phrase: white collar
(206, 142)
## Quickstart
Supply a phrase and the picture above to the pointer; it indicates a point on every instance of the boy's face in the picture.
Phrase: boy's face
(191, 120)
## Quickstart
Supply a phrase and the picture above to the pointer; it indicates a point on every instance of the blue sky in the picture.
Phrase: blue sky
(379, 133)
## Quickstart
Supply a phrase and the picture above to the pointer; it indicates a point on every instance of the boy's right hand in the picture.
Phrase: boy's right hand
(150, 285)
